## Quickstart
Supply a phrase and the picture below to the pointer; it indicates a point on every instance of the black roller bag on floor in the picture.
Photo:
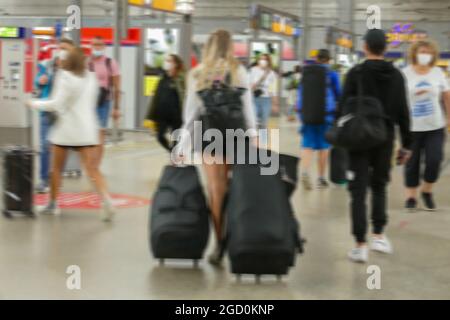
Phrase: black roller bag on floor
(179, 224)
(18, 181)
(262, 233)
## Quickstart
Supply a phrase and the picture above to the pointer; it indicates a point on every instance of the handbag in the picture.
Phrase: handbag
(258, 92)
(363, 124)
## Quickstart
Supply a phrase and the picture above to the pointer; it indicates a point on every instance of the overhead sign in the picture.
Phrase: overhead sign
(271, 20)
(404, 33)
(339, 37)
(12, 32)
(162, 5)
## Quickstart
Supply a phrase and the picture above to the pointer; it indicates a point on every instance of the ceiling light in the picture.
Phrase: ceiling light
(185, 6)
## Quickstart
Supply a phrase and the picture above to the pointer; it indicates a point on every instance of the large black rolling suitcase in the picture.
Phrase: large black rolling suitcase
(261, 235)
(338, 165)
(179, 223)
(18, 181)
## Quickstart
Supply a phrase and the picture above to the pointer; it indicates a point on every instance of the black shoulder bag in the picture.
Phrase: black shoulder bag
(105, 93)
(363, 123)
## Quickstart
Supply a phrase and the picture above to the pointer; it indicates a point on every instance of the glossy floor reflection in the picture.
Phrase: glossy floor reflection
(116, 264)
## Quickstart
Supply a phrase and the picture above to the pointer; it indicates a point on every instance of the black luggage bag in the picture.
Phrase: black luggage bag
(262, 238)
(314, 93)
(338, 165)
(179, 224)
(18, 181)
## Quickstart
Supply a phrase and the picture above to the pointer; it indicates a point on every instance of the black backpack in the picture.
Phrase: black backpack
(363, 123)
(314, 93)
(223, 107)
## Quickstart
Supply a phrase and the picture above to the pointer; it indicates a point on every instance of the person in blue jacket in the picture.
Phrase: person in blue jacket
(44, 82)
(314, 135)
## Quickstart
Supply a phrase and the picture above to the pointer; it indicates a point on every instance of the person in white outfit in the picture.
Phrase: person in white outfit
(218, 62)
(73, 103)
(429, 94)
(264, 85)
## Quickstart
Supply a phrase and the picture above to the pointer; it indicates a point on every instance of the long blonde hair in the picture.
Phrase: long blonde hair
(217, 60)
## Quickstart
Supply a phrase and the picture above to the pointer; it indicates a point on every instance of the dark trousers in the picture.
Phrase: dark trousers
(369, 169)
(163, 129)
(431, 145)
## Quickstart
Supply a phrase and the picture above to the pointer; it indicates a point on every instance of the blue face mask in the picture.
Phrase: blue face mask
(97, 53)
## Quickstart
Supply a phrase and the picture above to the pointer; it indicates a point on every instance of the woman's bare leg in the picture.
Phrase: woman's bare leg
(88, 158)
(217, 175)
(59, 155)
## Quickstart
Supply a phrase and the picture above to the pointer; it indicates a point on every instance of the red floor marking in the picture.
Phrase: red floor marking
(403, 224)
(91, 201)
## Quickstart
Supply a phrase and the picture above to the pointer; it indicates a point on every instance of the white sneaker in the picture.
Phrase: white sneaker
(108, 212)
(50, 211)
(360, 255)
(306, 181)
(382, 245)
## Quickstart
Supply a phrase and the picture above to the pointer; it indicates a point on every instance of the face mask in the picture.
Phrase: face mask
(263, 63)
(167, 66)
(97, 53)
(62, 54)
(424, 59)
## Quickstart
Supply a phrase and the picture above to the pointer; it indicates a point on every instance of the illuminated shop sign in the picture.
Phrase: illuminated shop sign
(12, 32)
(340, 38)
(163, 5)
(267, 19)
(404, 33)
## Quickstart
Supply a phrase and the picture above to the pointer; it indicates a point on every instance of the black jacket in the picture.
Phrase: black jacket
(383, 81)
(166, 105)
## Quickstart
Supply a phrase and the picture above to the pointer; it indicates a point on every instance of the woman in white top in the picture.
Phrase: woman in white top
(218, 62)
(264, 83)
(427, 88)
(73, 103)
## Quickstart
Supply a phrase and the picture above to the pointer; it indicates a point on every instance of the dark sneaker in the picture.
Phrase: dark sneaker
(428, 201)
(323, 184)
(411, 204)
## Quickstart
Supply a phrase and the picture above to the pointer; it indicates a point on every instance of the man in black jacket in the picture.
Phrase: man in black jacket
(371, 168)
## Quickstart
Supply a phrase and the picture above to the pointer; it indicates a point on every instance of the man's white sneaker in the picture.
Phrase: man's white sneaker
(382, 245)
(360, 255)
(108, 212)
(50, 211)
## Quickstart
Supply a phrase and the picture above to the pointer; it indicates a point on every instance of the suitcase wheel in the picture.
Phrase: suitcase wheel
(161, 262)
